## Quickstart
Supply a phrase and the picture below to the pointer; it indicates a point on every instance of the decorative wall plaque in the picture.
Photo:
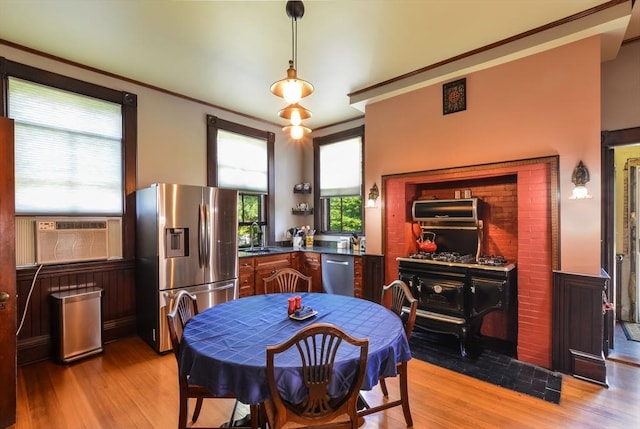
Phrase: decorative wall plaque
(454, 96)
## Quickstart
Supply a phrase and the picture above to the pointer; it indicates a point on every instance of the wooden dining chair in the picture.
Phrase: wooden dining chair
(317, 346)
(287, 280)
(398, 298)
(185, 307)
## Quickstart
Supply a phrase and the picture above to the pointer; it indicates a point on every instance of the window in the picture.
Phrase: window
(339, 176)
(68, 151)
(75, 146)
(240, 157)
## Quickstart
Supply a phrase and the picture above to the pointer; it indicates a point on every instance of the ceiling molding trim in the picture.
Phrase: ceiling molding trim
(608, 19)
(36, 52)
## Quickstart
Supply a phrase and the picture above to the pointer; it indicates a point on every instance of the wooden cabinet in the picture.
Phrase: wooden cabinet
(373, 277)
(578, 325)
(246, 277)
(368, 272)
(296, 261)
(313, 267)
(267, 265)
(358, 277)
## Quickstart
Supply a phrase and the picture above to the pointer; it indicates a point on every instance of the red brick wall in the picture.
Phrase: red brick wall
(516, 225)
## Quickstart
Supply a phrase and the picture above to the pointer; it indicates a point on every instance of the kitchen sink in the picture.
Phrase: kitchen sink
(258, 250)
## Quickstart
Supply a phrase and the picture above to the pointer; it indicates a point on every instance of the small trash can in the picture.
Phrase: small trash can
(77, 317)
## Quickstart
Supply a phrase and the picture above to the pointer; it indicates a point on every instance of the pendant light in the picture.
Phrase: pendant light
(291, 88)
(295, 113)
(296, 131)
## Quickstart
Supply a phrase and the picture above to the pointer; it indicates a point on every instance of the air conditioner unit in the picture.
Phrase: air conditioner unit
(71, 240)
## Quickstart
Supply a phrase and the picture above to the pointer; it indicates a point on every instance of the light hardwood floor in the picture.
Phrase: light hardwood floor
(130, 386)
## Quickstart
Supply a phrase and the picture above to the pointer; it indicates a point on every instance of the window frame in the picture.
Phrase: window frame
(328, 139)
(213, 125)
(129, 103)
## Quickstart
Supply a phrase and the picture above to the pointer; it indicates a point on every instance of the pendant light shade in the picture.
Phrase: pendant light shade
(291, 88)
(296, 131)
(294, 113)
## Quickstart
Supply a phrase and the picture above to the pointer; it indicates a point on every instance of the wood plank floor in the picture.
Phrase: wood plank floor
(130, 386)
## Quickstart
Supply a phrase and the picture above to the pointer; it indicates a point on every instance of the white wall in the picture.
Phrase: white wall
(172, 137)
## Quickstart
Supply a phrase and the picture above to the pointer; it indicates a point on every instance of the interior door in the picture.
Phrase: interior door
(7, 277)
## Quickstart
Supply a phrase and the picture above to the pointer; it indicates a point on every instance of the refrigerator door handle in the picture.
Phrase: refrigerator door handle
(207, 235)
(201, 235)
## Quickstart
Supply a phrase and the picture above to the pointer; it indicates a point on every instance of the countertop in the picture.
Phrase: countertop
(274, 250)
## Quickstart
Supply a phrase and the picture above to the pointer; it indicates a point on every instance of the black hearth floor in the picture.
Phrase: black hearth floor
(490, 366)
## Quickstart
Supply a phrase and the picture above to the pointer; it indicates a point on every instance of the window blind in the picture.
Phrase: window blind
(341, 168)
(242, 162)
(68, 151)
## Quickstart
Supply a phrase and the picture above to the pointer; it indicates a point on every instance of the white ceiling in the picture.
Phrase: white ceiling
(228, 53)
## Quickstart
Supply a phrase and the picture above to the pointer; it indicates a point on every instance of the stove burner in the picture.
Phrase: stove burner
(444, 257)
(495, 261)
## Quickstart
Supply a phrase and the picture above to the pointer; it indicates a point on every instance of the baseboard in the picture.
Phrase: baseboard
(589, 367)
(119, 328)
(34, 349)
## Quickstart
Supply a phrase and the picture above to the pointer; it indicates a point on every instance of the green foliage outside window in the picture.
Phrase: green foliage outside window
(345, 214)
(248, 212)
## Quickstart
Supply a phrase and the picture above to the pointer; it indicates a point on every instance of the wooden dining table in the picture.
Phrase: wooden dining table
(224, 347)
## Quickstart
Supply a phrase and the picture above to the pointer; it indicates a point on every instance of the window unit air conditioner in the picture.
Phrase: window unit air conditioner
(71, 240)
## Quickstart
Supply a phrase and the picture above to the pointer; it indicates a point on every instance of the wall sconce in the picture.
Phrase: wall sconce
(373, 196)
(580, 177)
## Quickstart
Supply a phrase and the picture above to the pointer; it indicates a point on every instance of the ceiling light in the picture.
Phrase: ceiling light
(295, 113)
(296, 131)
(291, 88)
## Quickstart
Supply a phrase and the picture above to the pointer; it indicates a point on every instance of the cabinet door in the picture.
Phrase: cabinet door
(373, 277)
(358, 277)
(297, 261)
(267, 265)
(246, 284)
(313, 268)
(246, 277)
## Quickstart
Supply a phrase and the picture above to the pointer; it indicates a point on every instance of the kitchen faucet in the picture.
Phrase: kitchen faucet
(251, 237)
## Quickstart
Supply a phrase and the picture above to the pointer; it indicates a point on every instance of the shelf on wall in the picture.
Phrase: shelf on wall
(302, 188)
(302, 212)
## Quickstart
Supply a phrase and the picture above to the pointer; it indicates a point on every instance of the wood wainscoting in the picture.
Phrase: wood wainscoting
(578, 325)
(116, 278)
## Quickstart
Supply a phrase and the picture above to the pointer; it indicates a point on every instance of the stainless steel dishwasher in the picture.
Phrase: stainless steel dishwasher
(337, 274)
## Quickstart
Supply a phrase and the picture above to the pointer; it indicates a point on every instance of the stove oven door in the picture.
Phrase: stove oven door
(489, 291)
(443, 294)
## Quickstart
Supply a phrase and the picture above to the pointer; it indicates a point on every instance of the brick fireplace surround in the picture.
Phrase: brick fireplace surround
(520, 222)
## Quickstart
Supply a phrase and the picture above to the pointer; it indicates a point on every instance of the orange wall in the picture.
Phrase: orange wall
(541, 105)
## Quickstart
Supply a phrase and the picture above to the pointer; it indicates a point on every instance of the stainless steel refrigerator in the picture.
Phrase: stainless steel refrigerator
(186, 239)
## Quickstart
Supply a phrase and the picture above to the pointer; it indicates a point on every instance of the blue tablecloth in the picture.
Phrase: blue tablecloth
(224, 347)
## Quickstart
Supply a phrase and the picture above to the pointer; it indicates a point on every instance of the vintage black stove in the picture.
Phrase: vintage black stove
(456, 286)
